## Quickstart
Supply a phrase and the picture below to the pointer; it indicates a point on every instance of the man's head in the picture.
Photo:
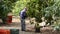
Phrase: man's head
(25, 8)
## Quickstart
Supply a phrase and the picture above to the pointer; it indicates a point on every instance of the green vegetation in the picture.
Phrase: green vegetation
(6, 6)
(19, 5)
(36, 8)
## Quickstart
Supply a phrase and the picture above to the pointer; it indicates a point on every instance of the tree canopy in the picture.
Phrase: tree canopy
(35, 8)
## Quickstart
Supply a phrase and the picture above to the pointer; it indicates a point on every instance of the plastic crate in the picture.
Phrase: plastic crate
(9, 19)
(14, 31)
(2, 31)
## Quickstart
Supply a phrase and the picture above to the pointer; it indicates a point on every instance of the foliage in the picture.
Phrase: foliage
(55, 9)
(6, 6)
(36, 7)
(52, 10)
(19, 5)
(57, 25)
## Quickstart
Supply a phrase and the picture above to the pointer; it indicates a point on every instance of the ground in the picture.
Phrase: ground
(16, 24)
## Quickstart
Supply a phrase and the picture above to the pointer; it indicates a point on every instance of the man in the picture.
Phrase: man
(22, 16)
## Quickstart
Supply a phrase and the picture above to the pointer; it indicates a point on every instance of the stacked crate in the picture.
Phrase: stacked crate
(14, 31)
(2, 31)
(11, 31)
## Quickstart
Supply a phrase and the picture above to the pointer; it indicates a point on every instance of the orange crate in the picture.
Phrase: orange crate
(9, 19)
(2, 31)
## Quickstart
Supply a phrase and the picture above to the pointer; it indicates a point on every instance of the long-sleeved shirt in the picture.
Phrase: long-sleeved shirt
(23, 13)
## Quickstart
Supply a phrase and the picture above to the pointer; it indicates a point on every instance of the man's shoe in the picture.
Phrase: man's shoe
(22, 30)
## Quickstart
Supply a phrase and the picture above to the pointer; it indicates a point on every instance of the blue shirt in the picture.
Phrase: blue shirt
(23, 14)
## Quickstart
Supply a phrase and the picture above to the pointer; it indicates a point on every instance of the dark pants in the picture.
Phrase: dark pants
(23, 26)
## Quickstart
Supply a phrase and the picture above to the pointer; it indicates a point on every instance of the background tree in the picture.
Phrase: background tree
(19, 5)
(35, 8)
(6, 6)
